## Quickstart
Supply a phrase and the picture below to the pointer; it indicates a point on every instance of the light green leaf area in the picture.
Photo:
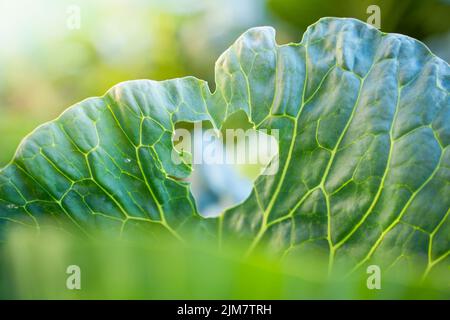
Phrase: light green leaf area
(364, 160)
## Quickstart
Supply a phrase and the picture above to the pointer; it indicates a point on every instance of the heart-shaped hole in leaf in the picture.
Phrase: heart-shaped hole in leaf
(224, 162)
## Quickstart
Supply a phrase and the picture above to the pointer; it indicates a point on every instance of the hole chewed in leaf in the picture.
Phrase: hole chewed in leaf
(224, 162)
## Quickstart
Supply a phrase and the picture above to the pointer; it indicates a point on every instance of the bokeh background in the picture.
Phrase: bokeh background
(47, 65)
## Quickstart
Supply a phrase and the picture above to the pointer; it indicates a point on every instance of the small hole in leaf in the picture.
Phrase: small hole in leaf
(225, 163)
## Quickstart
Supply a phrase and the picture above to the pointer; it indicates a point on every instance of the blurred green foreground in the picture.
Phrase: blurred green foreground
(34, 267)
